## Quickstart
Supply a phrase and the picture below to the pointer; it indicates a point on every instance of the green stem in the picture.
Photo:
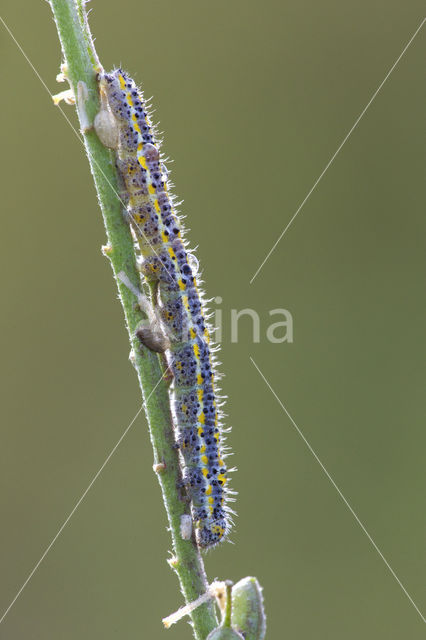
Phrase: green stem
(82, 64)
(226, 621)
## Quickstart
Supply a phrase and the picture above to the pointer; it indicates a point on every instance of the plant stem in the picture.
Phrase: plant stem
(226, 621)
(82, 64)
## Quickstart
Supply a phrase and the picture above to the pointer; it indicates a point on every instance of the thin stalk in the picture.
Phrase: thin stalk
(82, 64)
(226, 621)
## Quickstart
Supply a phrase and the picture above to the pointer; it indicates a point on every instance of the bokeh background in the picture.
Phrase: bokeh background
(253, 100)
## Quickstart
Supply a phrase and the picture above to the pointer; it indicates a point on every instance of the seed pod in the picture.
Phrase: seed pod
(248, 615)
(106, 128)
(224, 633)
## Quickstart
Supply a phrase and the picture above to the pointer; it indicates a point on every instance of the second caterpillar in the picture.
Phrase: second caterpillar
(124, 125)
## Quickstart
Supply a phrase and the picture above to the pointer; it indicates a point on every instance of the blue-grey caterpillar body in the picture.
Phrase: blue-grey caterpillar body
(157, 229)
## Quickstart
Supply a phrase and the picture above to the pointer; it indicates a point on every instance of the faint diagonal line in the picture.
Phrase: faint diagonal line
(338, 490)
(327, 166)
(78, 503)
(43, 83)
(81, 140)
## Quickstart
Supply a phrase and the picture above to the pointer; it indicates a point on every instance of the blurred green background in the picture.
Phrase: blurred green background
(253, 100)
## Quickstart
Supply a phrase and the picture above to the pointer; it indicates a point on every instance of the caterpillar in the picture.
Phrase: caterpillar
(124, 125)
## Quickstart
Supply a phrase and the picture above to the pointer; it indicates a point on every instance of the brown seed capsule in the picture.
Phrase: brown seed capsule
(106, 128)
(152, 338)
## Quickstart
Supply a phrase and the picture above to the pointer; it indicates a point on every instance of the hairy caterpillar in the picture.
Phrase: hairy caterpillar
(123, 124)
